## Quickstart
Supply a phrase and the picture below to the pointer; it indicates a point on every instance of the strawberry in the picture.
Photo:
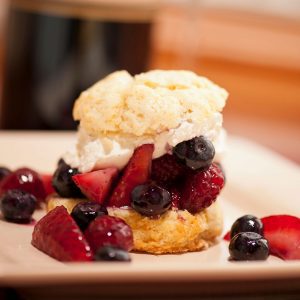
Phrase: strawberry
(175, 196)
(58, 235)
(47, 181)
(136, 172)
(227, 236)
(283, 235)
(166, 169)
(96, 185)
(201, 189)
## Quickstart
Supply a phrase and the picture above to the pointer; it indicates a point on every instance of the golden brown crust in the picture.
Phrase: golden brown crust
(54, 200)
(176, 231)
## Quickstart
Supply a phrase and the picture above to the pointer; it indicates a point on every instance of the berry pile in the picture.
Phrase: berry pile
(254, 239)
(21, 192)
(105, 238)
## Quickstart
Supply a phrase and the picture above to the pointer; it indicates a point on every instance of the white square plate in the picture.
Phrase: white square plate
(259, 182)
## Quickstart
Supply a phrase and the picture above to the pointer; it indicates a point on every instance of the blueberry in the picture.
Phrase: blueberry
(85, 212)
(63, 183)
(111, 253)
(197, 153)
(150, 200)
(247, 223)
(4, 172)
(18, 206)
(248, 246)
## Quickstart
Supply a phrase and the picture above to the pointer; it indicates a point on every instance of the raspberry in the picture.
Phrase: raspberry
(201, 189)
(166, 169)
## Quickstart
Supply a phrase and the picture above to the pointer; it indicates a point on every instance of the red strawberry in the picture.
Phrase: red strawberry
(227, 236)
(107, 230)
(166, 169)
(97, 184)
(47, 181)
(201, 189)
(58, 235)
(175, 196)
(283, 234)
(24, 179)
(136, 172)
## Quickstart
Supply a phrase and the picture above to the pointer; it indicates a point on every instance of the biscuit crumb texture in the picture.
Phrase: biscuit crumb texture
(148, 103)
(176, 231)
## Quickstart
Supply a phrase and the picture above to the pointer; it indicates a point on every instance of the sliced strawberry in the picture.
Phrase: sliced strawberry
(201, 189)
(166, 169)
(283, 234)
(136, 172)
(47, 181)
(58, 235)
(96, 185)
(227, 236)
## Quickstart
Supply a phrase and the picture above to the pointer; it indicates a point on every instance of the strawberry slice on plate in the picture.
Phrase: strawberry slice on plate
(283, 235)
(96, 185)
(57, 235)
(136, 172)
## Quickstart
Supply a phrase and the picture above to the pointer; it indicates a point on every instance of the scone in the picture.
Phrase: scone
(149, 149)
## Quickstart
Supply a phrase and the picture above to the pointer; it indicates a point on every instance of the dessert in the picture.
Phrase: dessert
(145, 176)
(145, 150)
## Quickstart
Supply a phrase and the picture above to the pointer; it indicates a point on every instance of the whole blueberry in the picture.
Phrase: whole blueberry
(63, 183)
(4, 172)
(248, 246)
(111, 253)
(150, 199)
(85, 212)
(18, 206)
(197, 153)
(246, 223)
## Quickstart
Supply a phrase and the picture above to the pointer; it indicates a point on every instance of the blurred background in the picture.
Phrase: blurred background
(50, 50)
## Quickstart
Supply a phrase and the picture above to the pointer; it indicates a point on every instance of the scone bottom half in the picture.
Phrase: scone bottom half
(168, 202)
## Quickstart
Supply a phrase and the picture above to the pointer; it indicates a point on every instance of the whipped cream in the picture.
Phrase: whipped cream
(121, 112)
(115, 151)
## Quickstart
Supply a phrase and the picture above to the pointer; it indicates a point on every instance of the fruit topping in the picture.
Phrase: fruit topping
(166, 169)
(17, 206)
(85, 212)
(175, 197)
(24, 179)
(197, 153)
(47, 181)
(150, 199)
(136, 172)
(58, 235)
(201, 189)
(4, 172)
(111, 253)
(109, 231)
(248, 246)
(63, 183)
(96, 185)
(247, 223)
(283, 235)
